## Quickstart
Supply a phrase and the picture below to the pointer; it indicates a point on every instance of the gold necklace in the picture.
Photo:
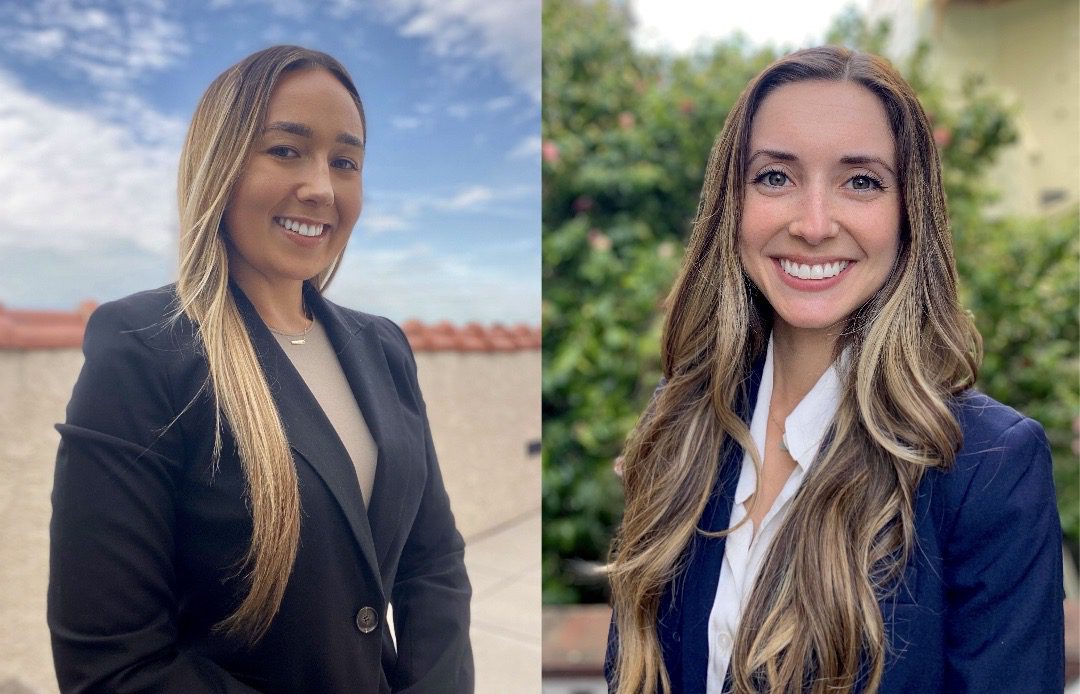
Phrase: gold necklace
(296, 338)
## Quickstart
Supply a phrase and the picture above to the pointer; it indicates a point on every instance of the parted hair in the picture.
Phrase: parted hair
(227, 121)
(812, 622)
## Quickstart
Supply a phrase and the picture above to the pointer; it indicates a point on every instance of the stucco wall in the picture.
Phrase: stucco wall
(484, 409)
(34, 388)
(1029, 50)
(1029, 53)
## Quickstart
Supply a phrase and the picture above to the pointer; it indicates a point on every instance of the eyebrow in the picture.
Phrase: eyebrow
(848, 159)
(302, 130)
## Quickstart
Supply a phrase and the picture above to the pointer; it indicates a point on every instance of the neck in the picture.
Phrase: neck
(800, 357)
(280, 305)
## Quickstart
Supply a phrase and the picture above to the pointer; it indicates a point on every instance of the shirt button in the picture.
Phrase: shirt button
(367, 619)
(724, 641)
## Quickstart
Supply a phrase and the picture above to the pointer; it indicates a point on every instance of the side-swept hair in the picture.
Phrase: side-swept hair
(813, 616)
(226, 123)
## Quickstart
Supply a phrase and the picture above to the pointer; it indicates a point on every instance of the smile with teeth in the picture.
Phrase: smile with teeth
(302, 229)
(813, 272)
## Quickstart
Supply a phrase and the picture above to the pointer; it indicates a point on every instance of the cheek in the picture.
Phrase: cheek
(762, 218)
(753, 230)
(885, 241)
(350, 199)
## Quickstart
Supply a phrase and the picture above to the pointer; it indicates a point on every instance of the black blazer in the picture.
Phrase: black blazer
(147, 539)
(980, 608)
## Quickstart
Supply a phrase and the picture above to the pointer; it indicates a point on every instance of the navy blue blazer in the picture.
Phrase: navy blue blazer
(147, 537)
(980, 608)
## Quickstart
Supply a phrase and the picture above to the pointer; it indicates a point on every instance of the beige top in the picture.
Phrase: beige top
(318, 365)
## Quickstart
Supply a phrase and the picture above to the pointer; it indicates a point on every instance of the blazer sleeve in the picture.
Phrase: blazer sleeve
(112, 596)
(1003, 568)
(431, 591)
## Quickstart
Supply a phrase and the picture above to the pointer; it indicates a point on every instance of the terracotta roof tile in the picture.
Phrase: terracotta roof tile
(22, 329)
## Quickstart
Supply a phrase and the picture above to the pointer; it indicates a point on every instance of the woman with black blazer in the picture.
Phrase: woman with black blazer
(246, 480)
(817, 500)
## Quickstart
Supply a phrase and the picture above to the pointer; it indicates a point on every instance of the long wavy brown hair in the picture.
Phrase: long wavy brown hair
(226, 122)
(813, 617)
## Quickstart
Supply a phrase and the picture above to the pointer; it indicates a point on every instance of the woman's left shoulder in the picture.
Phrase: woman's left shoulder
(992, 428)
(1003, 452)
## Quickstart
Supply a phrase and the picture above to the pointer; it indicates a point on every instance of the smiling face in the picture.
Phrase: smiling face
(299, 194)
(821, 212)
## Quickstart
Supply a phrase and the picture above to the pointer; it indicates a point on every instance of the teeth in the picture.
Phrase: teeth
(813, 272)
(302, 229)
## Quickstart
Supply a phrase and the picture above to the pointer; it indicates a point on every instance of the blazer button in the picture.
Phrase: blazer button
(367, 619)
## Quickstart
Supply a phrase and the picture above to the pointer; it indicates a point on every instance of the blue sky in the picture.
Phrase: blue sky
(94, 103)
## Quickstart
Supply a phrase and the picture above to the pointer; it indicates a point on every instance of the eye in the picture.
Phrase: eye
(773, 178)
(344, 163)
(866, 182)
(282, 152)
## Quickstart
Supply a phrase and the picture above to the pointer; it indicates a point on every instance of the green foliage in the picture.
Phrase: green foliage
(626, 138)
(1021, 285)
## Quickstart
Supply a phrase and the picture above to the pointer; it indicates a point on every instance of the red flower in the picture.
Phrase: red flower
(942, 136)
(550, 152)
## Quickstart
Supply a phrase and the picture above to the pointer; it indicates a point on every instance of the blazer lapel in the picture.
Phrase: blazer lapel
(706, 555)
(310, 433)
(399, 467)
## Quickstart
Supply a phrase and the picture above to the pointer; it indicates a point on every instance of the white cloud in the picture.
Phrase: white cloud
(405, 122)
(505, 31)
(527, 147)
(386, 211)
(459, 111)
(108, 48)
(499, 103)
(421, 282)
(74, 178)
(469, 198)
(381, 222)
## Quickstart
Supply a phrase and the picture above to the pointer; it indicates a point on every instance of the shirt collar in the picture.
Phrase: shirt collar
(804, 428)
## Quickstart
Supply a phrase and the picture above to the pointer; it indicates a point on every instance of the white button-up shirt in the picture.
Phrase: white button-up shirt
(804, 430)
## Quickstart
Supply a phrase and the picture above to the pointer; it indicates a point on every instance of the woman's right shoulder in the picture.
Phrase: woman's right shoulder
(148, 317)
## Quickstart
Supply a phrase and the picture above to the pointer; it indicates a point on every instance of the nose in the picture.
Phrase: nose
(815, 221)
(316, 188)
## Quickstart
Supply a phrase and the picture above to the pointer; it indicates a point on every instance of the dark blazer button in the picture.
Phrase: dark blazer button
(367, 619)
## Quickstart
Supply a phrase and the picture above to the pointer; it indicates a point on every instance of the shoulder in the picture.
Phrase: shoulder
(1004, 461)
(137, 355)
(148, 318)
(991, 430)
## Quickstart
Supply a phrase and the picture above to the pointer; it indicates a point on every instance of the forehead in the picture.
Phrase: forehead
(823, 118)
(316, 98)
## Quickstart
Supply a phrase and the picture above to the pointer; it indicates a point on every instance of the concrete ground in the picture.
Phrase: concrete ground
(504, 567)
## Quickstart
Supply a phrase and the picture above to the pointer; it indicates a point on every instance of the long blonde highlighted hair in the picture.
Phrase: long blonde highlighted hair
(226, 123)
(813, 616)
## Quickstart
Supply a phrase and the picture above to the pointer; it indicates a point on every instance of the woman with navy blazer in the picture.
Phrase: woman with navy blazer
(246, 480)
(817, 500)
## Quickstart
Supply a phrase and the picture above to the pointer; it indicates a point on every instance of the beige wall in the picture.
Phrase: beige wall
(34, 388)
(484, 408)
(1029, 52)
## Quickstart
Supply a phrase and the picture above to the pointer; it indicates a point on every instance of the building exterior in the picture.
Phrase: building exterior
(1029, 53)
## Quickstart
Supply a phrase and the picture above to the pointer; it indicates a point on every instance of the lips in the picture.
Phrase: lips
(309, 229)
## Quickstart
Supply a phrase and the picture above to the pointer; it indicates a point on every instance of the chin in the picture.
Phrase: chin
(808, 320)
